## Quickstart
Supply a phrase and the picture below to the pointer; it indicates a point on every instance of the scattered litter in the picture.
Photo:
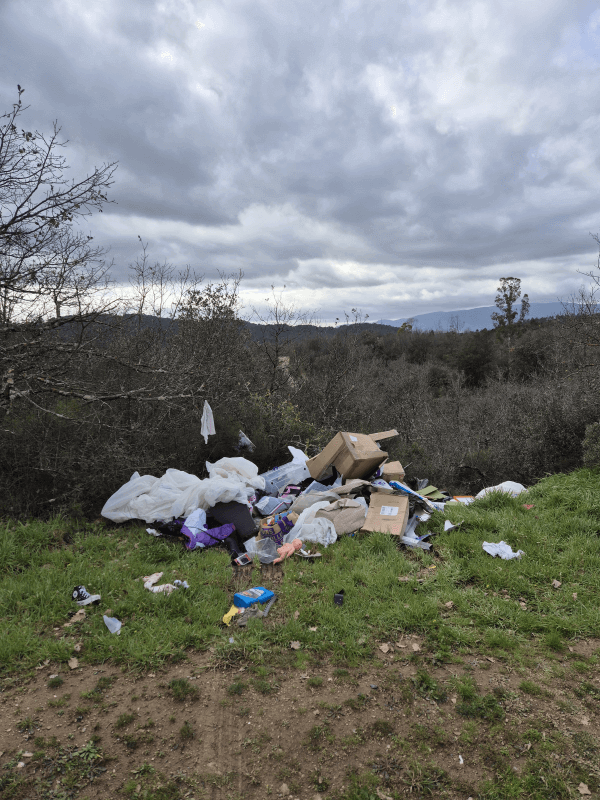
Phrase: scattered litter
(113, 625)
(461, 760)
(244, 443)
(385, 648)
(288, 549)
(502, 549)
(465, 499)
(308, 554)
(313, 628)
(78, 617)
(449, 604)
(556, 584)
(416, 647)
(83, 598)
(258, 594)
(528, 506)
(448, 526)
(207, 425)
(338, 597)
(44, 665)
(165, 588)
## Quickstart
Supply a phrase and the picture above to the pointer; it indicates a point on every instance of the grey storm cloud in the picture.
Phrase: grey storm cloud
(397, 157)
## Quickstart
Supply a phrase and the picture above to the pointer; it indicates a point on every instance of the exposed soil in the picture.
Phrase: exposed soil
(288, 733)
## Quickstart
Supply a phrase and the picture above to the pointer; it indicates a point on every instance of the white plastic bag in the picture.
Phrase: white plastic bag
(510, 487)
(208, 423)
(310, 528)
(265, 549)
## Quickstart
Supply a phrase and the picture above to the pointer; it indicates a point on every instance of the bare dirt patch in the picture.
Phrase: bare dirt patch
(202, 730)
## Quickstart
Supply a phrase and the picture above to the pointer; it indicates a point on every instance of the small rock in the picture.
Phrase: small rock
(284, 789)
(27, 755)
(20, 765)
(556, 584)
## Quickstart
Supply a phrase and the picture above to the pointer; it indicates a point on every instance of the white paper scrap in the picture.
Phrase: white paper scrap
(502, 549)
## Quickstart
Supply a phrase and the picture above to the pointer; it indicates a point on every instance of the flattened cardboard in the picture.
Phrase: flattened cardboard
(392, 471)
(354, 455)
(387, 513)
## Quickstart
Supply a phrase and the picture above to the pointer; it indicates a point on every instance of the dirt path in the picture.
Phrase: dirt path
(280, 732)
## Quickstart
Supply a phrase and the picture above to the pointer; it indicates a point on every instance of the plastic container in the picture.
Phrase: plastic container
(258, 594)
(113, 624)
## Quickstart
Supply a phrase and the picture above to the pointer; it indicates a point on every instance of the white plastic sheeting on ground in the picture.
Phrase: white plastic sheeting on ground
(237, 469)
(174, 495)
(510, 487)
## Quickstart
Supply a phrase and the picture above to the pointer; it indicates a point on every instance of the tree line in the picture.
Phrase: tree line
(91, 390)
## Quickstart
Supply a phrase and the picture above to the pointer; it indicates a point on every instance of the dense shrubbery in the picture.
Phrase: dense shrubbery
(462, 424)
(92, 390)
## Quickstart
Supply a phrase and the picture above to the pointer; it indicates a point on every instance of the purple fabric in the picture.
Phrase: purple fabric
(206, 538)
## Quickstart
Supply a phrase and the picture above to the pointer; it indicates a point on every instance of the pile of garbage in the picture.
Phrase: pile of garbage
(349, 486)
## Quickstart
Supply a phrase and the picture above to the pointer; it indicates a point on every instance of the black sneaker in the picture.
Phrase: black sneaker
(83, 598)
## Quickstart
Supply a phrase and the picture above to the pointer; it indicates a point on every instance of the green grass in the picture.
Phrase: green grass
(560, 539)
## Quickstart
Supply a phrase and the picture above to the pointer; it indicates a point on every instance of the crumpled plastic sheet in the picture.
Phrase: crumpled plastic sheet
(174, 495)
(510, 487)
(236, 469)
(502, 549)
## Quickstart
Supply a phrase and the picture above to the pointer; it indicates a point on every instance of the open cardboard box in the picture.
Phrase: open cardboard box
(354, 455)
(387, 513)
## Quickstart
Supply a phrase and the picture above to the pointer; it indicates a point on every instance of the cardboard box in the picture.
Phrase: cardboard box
(354, 455)
(387, 513)
(392, 471)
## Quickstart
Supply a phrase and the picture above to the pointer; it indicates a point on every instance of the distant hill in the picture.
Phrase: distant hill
(470, 319)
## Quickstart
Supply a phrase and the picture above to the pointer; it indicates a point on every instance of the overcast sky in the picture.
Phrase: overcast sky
(393, 157)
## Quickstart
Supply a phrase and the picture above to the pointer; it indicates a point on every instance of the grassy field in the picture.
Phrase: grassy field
(502, 607)
(431, 653)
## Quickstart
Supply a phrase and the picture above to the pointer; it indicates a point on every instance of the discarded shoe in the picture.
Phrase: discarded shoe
(83, 598)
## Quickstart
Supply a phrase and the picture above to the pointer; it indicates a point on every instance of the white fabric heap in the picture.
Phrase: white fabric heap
(502, 549)
(174, 495)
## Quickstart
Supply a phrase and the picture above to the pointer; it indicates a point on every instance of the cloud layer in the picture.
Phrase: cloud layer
(397, 158)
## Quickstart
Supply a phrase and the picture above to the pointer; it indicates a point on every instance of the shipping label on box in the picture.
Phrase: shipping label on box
(387, 513)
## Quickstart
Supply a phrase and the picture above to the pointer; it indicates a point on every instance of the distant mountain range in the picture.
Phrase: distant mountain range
(470, 319)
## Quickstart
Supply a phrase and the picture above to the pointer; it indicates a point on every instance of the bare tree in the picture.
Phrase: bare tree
(53, 280)
(279, 332)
